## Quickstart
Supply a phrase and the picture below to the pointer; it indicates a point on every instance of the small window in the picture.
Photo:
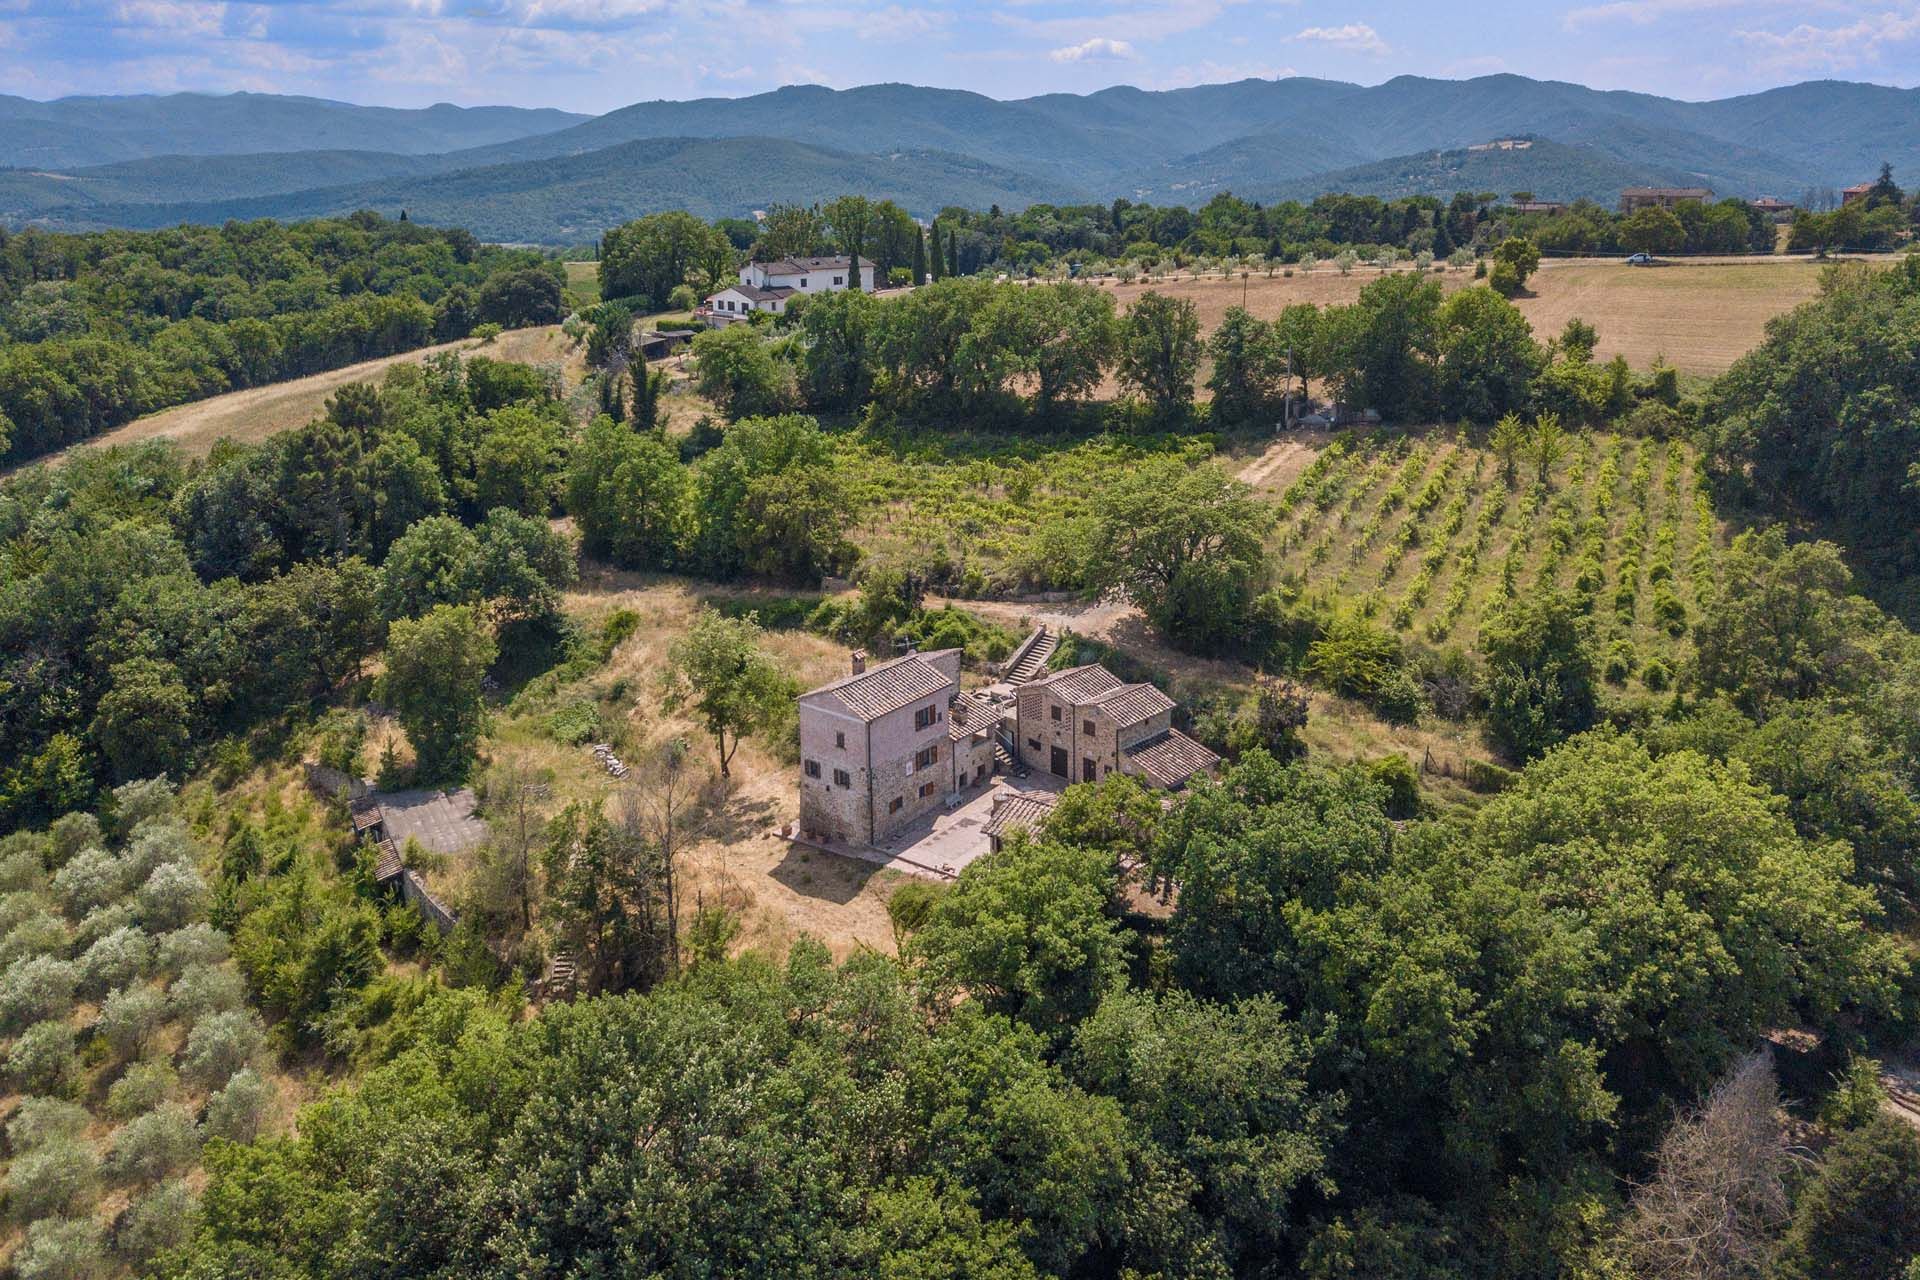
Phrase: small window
(926, 717)
(927, 789)
(813, 768)
(840, 741)
(893, 805)
(1053, 712)
(929, 756)
(839, 279)
(1086, 727)
(803, 282)
(841, 778)
(1033, 744)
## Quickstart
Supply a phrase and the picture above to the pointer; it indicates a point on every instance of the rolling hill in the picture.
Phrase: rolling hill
(549, 177)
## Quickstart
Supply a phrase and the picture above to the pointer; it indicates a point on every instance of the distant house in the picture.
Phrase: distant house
(885, 745)
(1085, 723)
(1856, 193)
(768, 286)
(1661, 197)
(1548, 207)
(1772, 206)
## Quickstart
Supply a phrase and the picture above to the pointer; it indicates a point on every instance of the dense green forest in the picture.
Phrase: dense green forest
(1613, 1008)
(98, 329)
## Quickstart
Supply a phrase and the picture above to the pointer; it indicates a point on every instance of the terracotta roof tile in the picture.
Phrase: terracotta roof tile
(1132, 703)
(1171, 758)
(1078, 685)
(1018, 811)
(887, 687)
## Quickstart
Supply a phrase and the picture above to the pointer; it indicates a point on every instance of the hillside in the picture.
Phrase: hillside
(549, 177)
(569, 199)
(72, 132)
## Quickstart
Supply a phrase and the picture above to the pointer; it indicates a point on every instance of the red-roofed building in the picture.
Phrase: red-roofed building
(1085, 723)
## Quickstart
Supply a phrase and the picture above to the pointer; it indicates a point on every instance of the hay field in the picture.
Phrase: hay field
(1700, 316)
(258, 412)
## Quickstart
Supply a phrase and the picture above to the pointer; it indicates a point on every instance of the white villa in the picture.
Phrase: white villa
(766, 286)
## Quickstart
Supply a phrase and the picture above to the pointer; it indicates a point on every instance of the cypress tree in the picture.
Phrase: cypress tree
(953, 252)
(937, 262)
(919, 258)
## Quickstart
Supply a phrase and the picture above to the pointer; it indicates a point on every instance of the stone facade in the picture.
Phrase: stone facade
(877, 751)
(1078, 724)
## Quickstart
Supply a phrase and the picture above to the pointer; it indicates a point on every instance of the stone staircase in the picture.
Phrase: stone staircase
(1034, 661)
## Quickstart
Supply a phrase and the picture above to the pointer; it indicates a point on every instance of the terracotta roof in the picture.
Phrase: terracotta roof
(1132, 703)
(754, 293)
(1018, 811)
(797, 266)
(1678, 193)
(1079, 685)
(387, 866)
(887, 687)
(1171, 758)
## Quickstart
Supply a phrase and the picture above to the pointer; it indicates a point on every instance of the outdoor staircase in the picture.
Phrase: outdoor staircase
(1034, 660)
(560, 976)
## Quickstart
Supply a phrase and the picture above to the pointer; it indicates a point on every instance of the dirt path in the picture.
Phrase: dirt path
(259, 412)
(1277, 468)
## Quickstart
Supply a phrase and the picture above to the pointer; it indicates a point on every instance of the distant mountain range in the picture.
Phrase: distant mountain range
(547, 176)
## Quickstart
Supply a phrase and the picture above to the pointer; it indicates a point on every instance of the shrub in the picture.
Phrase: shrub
(119, 958)
(35, 989)
(135, 802)
(219, 1045)
(156, 844)
(196, 944)
(44, 934)
(69, 835)
(20, 869)
(91, 879)
(1486, 777)
(38, 1121)
(61, 1249)
(236, 1112)
(172, 896)
(101, 922)
(1402, 781)
(203, 989)
(155, 1144)
(129, 1018)
(1657, 675)
(42, 1059)
(143, 1086)
(162, 1219)
(57, 1176)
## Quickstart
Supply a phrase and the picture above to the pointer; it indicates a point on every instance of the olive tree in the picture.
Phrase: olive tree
(42, 1060)
(236, 1112)
(36, 989)
(156, 1144)
(115, 960)
(219, 1045)
(129, 1017)
(172, 896)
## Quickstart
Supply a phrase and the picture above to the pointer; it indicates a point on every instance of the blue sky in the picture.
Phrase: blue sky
(593, 55)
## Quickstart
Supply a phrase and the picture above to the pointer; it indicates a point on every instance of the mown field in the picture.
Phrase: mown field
(1421, 531)
(1698, 316)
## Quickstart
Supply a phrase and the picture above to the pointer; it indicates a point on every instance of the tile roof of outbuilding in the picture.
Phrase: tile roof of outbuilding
(887, 686)
(1018, 811)
(1171, 758)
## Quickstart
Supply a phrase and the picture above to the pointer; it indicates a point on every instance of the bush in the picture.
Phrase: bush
(1359, 660)
(58, 1176)
(44, 934)
(236, 1112)
(121, 957)
(172, 896)
(141, 1088)
(38, 1121)
(203, 989)
(1486, 777)
(196, 944)
(20, 869)
(156, 845)
(129, 1018)
(93, 878)
(34, 990)
(101, 922)
(219, 1045)
(1657, 675)
(42, 1059)
(60, 1249)
(135, 802)
(156, 1144)
(1402, 781)
(69, 835)
(162, 1219)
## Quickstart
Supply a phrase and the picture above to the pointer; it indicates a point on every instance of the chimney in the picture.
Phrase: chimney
(859, 661)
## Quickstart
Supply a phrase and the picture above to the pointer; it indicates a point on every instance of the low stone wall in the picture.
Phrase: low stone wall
(414, 890)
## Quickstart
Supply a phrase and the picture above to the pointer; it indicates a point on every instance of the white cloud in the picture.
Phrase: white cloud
(183, 18)
(1808, 47)
(1356, 37)
(1641, 12)
(1098, 49)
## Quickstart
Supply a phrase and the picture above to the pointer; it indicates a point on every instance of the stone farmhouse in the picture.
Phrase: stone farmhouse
(768, 286)
(898, 743)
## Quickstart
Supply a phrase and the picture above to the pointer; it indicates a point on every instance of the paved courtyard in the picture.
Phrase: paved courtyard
(442, 821)
(942, 844)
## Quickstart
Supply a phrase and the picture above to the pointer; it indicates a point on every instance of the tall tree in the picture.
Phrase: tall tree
(718, 672)
(1160, 353)
(852, 220)
(434, 668)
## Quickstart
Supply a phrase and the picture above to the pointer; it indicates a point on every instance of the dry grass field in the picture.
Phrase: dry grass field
(258, 412)
(1699, 316)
